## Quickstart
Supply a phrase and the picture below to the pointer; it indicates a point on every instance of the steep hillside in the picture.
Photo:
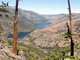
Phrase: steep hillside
(27, 20)
(48, 43)
(29, 16)
(55, 31)
(54, 34)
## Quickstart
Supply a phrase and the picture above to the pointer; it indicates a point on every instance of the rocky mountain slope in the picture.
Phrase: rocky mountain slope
(52, 38)
(53, 35)
(24, 52)
(60, 17)
(48, 43)
(27, 20)
(5, 53)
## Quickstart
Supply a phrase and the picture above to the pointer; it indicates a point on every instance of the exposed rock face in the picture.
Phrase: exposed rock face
(53, 34)
(22, 54)
(5, 53)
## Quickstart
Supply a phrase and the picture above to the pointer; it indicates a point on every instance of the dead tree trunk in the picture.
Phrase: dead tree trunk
(0, 36)
(14, 47)
(71, 37)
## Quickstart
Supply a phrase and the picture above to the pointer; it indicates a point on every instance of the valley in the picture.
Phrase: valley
(40, 37)
(39, 30)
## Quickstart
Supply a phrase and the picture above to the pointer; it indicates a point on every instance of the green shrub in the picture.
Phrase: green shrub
(9, 42)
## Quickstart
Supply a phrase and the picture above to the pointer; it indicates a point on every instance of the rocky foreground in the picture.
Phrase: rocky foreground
(6, 54)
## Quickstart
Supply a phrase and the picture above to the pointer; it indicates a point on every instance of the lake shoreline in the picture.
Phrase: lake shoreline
(23, 34)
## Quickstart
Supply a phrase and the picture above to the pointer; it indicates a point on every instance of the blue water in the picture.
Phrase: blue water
(42, 25)
(23, 34)
(20, 34)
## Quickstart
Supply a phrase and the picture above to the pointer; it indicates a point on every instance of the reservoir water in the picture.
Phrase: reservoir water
(42, 25)
(23, 34)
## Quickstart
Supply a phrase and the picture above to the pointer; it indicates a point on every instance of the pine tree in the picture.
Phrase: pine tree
(3, 8)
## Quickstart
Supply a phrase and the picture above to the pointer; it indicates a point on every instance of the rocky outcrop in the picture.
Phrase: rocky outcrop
(6, 54)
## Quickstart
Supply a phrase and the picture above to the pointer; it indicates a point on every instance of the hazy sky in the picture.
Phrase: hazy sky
(47, 6)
